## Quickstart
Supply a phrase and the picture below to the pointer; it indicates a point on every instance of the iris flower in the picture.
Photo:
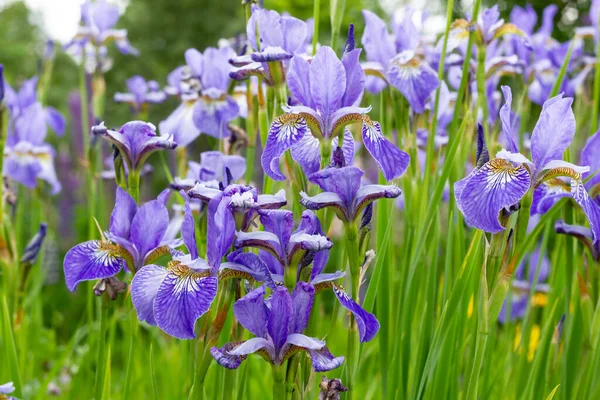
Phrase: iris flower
(283, 250)
(212, 170)
(141, 92)
(277, 323)
(395, 60)
(136, 140)
(329, 91)
(5, 390)
(173, 298)
(136, 236)
(99, 18)
(501, 182)
(273, 38)
(583, 234)
(343, 191)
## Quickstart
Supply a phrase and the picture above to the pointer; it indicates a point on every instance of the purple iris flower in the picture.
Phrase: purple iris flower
(589, 156)
(206, 106)
(244, 201)
(136, 140)
(98, 19)
(174, 78)
(136, 236)
(329, 91)
(281, 248)
(343, 191)
(501, 182)
(212, 171)
(141, 92)
(6, 389)
(582, 233)
(173, 298)
(278, 323)
(394, 59)
(279, 38)
(521, 286)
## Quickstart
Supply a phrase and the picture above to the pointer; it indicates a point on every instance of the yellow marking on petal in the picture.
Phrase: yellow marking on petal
(233, 273)
(507, 29)
(319, 287)
(470, 307)
(561, 171)
(156, 254)
(534, 341)
(347, 119)
(182, 271)
(290, 351)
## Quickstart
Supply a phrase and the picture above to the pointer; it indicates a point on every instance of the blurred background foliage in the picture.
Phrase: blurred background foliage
(162, 30)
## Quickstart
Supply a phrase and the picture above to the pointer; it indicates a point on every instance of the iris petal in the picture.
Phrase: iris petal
(368, 326)
(144, 287)
(392, 161)
(91, 260)
(285, 131)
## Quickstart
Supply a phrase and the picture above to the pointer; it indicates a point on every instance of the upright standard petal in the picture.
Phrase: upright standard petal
(302, 299)
(298, 80)
(182, 298)
(280, 223)
(91, 260)
(376, 40)
(220, 230)
(344, 182)
(327, 81)
(553, 132)
(506, 121)
(252, 312)
(355, 78)
(188, 231)
(496, 185)
(285, 131)
(590, 156)
(392, 161)
(368, 326)
(144, 287)
(122, 214)
(149, 226)
(279, 324)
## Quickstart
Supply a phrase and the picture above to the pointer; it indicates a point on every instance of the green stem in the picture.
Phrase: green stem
(325, 153)
(291, 374)
(279, 391)
(99, 386)
(316, 12)
(354, 261)
(134, 185)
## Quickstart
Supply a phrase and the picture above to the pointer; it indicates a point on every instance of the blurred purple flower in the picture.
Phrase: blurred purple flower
(141, 92)
(212, 171)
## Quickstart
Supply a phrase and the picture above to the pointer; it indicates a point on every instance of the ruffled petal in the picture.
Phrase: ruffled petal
(144, 288)
(496, 185)
(368, 326)
(392, 161)
(285, 131)
(182, 298)
(91, 260)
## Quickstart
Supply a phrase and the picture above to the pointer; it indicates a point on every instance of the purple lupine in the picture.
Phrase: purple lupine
(277, 323)
(344, 193)
(173, 298)
(279, 38)
(522, 284)
(212, 171)
(98, 19)
(141, 92)
(328, 90)
(394, 60)
(206, 105)
(136, 236)
(281, 248)
(136, 140)
(501, 182)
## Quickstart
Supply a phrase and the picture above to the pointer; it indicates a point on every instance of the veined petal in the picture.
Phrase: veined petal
(279, 222)
(355, 78)
(554, 130)
(369, 193)
(345, 182)
(368, 326)
(122, 214)
(415, 79)
(327, 81)
(392, 161)
(347, 146)
(302, 300)
(220, 230)
(279, 324)
(307, 152)
(547, 194)
(496, 185)
(248, 263)
(91, 260)
(590, 208)
(182, 298)
(252, 312)
(323, 360)
(149, 226)
(224, 358)
(285, 131)
(144, 288)
(505, 120)
(324, 199)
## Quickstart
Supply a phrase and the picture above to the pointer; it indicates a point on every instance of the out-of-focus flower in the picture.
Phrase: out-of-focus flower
(136, 140)
(331, 389)
(328, 91)
(521, 287)
(395, 60)
(98, 20)
(137, 236)
(583, 233)
(141, 92)
(212, 171)
(277, 323)
(6, 389)
(206, 105)
(344, 193)
(32, 250)
(501, 182)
